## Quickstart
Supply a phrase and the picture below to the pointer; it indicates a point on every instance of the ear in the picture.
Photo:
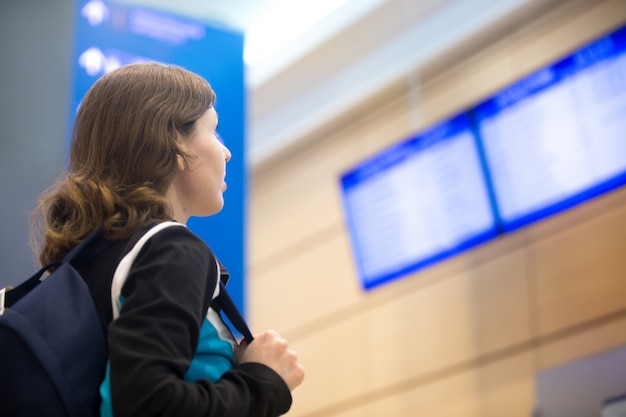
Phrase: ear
(180, 162)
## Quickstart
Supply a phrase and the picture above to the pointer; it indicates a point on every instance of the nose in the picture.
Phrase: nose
(227, 154)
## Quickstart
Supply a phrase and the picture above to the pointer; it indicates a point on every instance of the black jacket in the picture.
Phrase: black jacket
(153, 342)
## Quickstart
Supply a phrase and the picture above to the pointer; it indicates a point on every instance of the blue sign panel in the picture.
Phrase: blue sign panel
(109, 35)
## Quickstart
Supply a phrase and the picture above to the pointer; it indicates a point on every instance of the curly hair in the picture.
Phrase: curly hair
(123, 156)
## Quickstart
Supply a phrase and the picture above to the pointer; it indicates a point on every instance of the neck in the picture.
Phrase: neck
(179, 213)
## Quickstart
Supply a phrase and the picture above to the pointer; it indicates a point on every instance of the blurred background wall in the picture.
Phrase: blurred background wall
(465, 337)
(36, 39)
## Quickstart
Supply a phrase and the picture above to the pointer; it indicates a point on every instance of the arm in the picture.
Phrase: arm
(154, 339)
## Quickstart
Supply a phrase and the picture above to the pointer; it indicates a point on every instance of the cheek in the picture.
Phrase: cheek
(219, 164)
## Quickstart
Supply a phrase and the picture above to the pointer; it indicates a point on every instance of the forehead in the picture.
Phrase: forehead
(212, 114)
(209, 117)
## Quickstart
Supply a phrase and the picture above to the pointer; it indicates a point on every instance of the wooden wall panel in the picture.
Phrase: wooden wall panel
(312, 285)
(464, 315)
(500, 296)
(451, 396)
(417, 335)
(335, 355)
(300, 196)
(564, 31)
(608, 333)
(579, 273)
(468, 83)
(506, 387)
(501, 388)
(388, 124)
(473, 313)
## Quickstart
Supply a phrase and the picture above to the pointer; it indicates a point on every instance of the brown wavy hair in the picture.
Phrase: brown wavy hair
(123, 156)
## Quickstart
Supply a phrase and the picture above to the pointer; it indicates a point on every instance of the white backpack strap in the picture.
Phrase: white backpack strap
(2, 292)
(121, 273)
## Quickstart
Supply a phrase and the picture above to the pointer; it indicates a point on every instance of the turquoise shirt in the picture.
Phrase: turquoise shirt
(214, 356)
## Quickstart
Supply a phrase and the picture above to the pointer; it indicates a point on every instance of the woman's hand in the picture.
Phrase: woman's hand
(273, 351)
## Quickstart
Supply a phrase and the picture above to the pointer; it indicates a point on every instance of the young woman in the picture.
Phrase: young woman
(145, 150)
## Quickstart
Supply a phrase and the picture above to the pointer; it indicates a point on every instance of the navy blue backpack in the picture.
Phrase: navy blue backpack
(53, 349)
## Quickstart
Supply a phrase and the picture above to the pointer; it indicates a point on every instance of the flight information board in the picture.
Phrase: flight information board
(418, 202)
(558, 137)
(552, 140)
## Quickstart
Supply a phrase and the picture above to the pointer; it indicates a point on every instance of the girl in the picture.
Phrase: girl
(145, 150)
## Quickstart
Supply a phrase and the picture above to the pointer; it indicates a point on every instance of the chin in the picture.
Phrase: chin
(215, 209)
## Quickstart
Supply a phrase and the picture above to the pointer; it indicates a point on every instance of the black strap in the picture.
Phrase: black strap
(93, 244)
(13, 295)
(89, 247)
(229, 308)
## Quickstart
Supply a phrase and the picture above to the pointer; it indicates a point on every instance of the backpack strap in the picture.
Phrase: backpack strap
(89, 247)
(123, 268)
(11, 295)
(93, 244)
(3, 293)
(228, 306)
(223, 299)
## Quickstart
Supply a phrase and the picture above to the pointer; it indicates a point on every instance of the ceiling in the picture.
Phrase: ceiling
(310, 61)
(277, 32)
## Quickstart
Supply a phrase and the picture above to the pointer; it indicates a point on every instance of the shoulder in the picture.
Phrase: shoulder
(173, 247)
(171, 257)
(173, 237)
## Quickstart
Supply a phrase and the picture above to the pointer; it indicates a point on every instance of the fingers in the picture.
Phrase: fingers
(270, 349)
(296, 375)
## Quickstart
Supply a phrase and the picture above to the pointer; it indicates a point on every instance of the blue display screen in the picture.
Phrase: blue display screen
(418, 202)
(552, 140)
(109, 35)
(558, 137)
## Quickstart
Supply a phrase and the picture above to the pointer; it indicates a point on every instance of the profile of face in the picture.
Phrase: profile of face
(153, 125)
(199, 183)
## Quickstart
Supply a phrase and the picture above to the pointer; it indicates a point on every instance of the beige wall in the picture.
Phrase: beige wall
(464, 337)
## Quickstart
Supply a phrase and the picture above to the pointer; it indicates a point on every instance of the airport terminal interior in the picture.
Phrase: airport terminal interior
(434, 192)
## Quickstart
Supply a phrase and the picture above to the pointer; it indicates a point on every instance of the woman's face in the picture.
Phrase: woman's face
(200, 184)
